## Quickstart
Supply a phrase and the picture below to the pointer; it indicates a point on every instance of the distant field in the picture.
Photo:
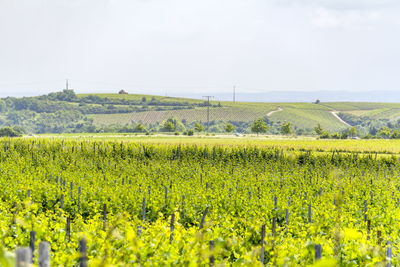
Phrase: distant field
(302, 115)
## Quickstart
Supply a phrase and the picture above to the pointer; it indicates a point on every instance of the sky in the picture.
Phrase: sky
(184, 47)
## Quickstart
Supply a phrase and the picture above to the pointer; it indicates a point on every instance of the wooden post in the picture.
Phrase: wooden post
(287, 221)
(309, 213)
(172, 228)
(368, 228)
(83, 253)
(68, 229)
(32, 243)
(389, 255)
(23, 257)
(273, 230)
(44, 254)
(365, 210)
(203, 218)
(212, 245)
(318, 252)
(275, 202)
(262, 243)
(104, 216)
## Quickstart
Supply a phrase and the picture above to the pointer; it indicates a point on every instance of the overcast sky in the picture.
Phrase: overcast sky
(179, 46)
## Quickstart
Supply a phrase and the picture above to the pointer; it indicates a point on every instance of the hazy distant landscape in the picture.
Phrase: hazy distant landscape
(67, 112)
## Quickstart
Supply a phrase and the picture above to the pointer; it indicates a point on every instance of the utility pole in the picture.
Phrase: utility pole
(208, 109)
(66, 84)
(234, 93)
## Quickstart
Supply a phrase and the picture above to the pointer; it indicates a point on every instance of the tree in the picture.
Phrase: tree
(259, 126)
(384, 132)
(318, 129)
(123, 92)
(287, 128)
(9, 132)
(144, 99)
(229, 127)
(353, 131)
(169, 126)
(317, 101)
(177, 125)
(198, 127)
(140, 128)
(2, 105)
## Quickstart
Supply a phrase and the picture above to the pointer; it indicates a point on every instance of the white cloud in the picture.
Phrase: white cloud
(342, 4)
(349, 19)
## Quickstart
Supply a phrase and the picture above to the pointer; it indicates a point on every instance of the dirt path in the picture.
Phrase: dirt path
(274, 111)
(334, 113)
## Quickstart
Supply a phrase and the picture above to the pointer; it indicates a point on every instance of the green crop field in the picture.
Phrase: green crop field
(302, 115)
(168, 201)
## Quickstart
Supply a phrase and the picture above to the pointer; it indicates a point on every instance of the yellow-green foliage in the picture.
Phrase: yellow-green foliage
(237, 184)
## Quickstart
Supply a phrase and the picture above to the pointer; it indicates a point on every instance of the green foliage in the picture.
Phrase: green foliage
(325, 135)
(229, 127)
(199, 127)
(259, 126)
(140, 128)
(318, 129)
(237, 184)
(11, 132)
(352, 131)
(173, 124)
(169, 126)
(384, 132)
(287, 128)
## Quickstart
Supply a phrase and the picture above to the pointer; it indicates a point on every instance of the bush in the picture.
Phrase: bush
(190, 132)
(9, 132)
(325, 135)
(336, 136)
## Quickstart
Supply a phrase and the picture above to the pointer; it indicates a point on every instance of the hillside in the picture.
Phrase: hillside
(67, 112)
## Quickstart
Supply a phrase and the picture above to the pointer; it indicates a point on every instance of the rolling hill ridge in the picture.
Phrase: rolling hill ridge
(69, 112)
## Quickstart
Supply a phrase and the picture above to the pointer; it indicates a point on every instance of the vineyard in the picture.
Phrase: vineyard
(148, 204)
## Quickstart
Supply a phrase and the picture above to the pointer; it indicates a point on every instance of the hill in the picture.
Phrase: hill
(68, 112)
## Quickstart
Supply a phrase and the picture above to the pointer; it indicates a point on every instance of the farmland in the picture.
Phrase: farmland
(67, 112)
(156, 201)
(302, 115)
